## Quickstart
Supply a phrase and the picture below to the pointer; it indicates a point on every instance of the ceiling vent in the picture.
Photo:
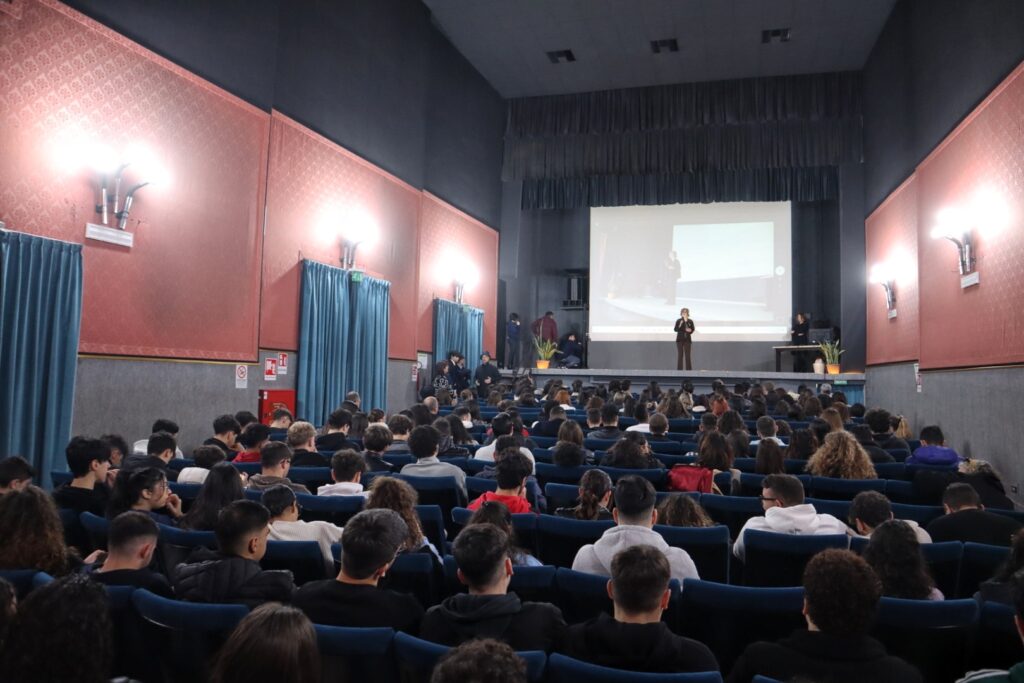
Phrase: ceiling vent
(775, 35)
(664, 45)
(561, 56)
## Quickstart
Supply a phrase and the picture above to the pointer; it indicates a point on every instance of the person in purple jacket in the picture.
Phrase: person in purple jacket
(933, 449)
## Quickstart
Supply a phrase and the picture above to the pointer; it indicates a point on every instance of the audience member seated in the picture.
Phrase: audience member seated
(33, 537)
(658, 425)
(145, 490)
(634, 516)
(769, 458)
(1001, 586)
(131, 542)
(505, 446)
(841, 594)
(396, 495)
(1016, 672)
(446, 447)
(336, 438)
(785, 512)
(715, 454)
(118, 449)
(609, 429)
(841, 457)
(869, 509)
(766, 431)
(834, 420)
(930, 484)
(881, 428)
(224, 485)
(301, 438)
(503, 424)
(550, 426)
(683, 511)
(933, 450)
(499, 515)
(867, 441)
(246, 418)
(253, 438)
(593, 417)
(281, 418)
(895, 555)
(272, 643)
(424, 442)
(595, 495)
(233, 573)
(966, 519)
(643, 420)
(631, 452)
(377, 442)
(511, 473)
(347, 468)
(205, 458)
(275, 461)
(635, 638)
(161, 425)
(571, 434)
(225, 433)
(159, 452)
(399, 426)
(483, 556)
(802, 445)
(285, 524)
(89, 462)
(481, 660)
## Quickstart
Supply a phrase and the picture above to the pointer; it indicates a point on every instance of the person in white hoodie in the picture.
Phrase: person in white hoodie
(785, 512)
(634, 516)
(347, 469)
(871, 509)
(285, 524)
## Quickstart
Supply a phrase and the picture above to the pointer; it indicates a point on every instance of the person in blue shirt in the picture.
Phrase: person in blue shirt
(512, 349)
(933, 449)
(571, 351)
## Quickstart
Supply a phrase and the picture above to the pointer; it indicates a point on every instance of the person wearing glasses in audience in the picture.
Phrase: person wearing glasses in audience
(275, 461)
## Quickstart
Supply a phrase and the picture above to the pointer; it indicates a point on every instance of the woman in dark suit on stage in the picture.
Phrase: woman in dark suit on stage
(684, 340)
(801, 327)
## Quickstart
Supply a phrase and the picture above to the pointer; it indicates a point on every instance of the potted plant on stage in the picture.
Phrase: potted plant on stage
(831, 351)
(546, 350)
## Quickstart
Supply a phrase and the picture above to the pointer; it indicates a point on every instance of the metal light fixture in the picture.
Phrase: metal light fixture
(102, 159)
(357, 227)
(884, 274)
(986, 212)
(953, 225)
(465, 275)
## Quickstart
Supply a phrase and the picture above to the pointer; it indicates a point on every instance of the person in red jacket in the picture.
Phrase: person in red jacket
(511, 473)
(546, 328)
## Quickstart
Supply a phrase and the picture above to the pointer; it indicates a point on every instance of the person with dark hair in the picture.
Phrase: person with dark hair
(785, 512)
(635, 517)
(545, 327)
(275, 461)
(802, 445)
(159, 452)
(371, 539)
(555, 419)
(89, 462)
(482, 659)
(205, 458)
(862, 433)
(400, 426)
(895, 555)
(769, 459)
(271, 643)
(708, 425)
(424, 442)
(684, 511)
(966, 519)
(881, 429)
(1001, 586)
(360, 421)
(767, 430)
(933, 449)
(506, 446)
(458, 374)
(457, 427)
(870, 509)
(8, 608)
(446, 448)
(281, 419)
(119, 449)
(1015, 593)
(301, 438)
(503, 424)
(512, 349)
(658, 428)
(335, 436)
(223, 486)
(233, 573)
(632, 452)
(389, 493)
(61, 632)
(225, 432)
(498, 514)
(609, 424)
(635, 638)
(33, 536)
(595, 495)
(161, 425)
(486, 375)
(841, 595)
(145, 490)
(131, 542)
(347, 469)
(246, 418)
(377, 442)
(252, 439)
(285, 524)
(511, 472)
(483, 555)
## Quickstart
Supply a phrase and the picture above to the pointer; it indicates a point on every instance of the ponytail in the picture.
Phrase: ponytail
(594, 485)
(128, 488)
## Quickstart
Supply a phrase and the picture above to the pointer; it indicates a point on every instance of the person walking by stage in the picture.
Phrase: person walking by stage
(684, 330)
(512, 347)
(486, 377)
(801, 327)
(546, 328)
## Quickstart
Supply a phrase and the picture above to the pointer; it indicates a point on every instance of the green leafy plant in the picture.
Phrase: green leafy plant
(831, 351)
(546, 349)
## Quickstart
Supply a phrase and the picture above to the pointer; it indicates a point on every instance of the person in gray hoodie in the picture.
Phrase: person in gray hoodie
(635, 517)
(483, 555)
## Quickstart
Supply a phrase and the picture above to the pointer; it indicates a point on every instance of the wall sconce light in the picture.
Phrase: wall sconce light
(985, 213)
(103, 160)
(953, 225)
(357, 228)
(881, 274)
(466, 276)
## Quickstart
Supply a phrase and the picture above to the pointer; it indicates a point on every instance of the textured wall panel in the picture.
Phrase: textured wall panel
(189, 287)
(891, 237)
(313, 185)
(447, 236)
(981, 325)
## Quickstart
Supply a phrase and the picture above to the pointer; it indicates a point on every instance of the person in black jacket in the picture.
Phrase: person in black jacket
(609, 423)
(483, 555)
(867, 440)
(233, 574)
(131, 542)
(225, 431)
(89, 462)
(841, 594)
(966, 519)
(881, 429)
(636, 638)
(336, 438)
(486, 377)
(302, 440)
(159, 452)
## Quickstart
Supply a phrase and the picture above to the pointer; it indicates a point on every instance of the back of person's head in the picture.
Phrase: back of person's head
(567, 454)
(131, 485)
(15, 468)
(766, 426)
(253, 435)
(377, 437)
(683, 511)
(128, 531)
(841, 593)
(389, 493)
(595, 484)
(570, 431)
(442, 426)
(870, 508)
(424, 441)
(371, 540)
(160, 442)
(480, 661)
(739, 443)
(360, 421)
(238, 524)
(274, 642)
(932, 434)
(431, 403)
(640, 576)
(769, 458)
(634, 500)
(504, 444)
(708, 422)
(397, 424)
(502, 424)
(857, 410)
(226, 423)
(658, 424)
(163, 425)
(609, 415)
(959, 496)
(496, 513)
(61, 632)
(299, 434)
(512, 470)
(715, 452)
(246, 418)
(118, 443)
(895, 554)
(802, 444)
(278, 499)
(223, 485)
(282, 414)
(273, 454)
(785, 488)
(346, 464)
(862, 433)
(878, 420)
(480, 552)
(339, 419)
(594, 415)
(33, 537)
(207, 456)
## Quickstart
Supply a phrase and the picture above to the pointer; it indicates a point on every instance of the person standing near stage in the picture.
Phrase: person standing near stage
(801, 328)
(486, 376)
(684, 340)
(512, 341)
(546, 328)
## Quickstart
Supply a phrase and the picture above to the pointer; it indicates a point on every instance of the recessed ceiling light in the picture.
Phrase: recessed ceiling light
(664, 45)
(775, 35)
(560, 56)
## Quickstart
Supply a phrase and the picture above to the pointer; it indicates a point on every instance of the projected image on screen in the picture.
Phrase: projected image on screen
(728, 263)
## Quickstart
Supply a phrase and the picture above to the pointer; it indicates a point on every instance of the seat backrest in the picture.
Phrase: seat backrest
(774, 559)
(432, 521)
(59, 478)
(655, 476)
(303, 558)
(933, 635)
(585, 596)
(667, 447)
(922, 514)
(562, 669)
(732, 511)
(708, 547)
(560, 495)
(96, 527)
(828, 488)
(310, 477)
(563, 475)
(998, 643)
(334, 509)
(599, 444)
(418, 574)
(979, 563)
(477, 486)
(944, 562)
(559, 539)
(187, 616)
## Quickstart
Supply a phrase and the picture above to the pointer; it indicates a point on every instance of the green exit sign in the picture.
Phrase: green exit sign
(357, 276)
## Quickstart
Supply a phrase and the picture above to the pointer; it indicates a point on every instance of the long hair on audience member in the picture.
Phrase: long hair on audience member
(811, 406)
(571, 432)
(496, 513)
(33, 537)
(802, 445)
(715, 452)
(460, 435)
(672, 408)
(895, 554)
(129, 486)
(730, 420)
(222, 486)
(841, 457)
(394, 494)
(902, 429)
(769, 458)
(360, 421)
(594, 487)
(272, 643)
(682, 510)
(833, 418)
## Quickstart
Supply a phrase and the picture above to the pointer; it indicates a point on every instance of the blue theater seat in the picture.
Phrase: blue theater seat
(418, 658)
(302, 558)
(779, 559)
(562, 669)
(559, 539)
(933, 635)
(356, 654)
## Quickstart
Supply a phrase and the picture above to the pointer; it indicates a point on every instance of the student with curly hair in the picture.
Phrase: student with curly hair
(483, 659)
(394, 494)
(684, 511)
(841, 457)
(895, 555)
(802, 445)
(33, 537)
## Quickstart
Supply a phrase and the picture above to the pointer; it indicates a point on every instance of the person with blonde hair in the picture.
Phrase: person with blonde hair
(903, 430)
(683, 511)
(841, 456)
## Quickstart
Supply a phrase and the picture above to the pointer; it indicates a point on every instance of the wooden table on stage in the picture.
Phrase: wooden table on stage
(779, 350)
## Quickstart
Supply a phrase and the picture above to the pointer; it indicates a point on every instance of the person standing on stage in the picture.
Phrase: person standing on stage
(799, 333)
(684, 340)
(458, 375)
(546, 328)
(486, 377)
(673, 271)
(512, 341)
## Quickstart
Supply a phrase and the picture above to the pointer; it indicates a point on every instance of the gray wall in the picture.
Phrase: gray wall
(976, 409)
(402, 392)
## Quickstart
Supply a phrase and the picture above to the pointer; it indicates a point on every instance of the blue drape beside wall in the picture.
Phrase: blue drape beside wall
(458, 327)
(343, 340)
(40, 318)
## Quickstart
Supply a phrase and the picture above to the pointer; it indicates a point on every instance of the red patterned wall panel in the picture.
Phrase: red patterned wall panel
(891, 238)
(313, 185)
(190, 286)
(984, 324)
(447, 236)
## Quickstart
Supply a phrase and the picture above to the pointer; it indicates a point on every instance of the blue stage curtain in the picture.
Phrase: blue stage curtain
(368, 359)
(458, 327)
(40, 318)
